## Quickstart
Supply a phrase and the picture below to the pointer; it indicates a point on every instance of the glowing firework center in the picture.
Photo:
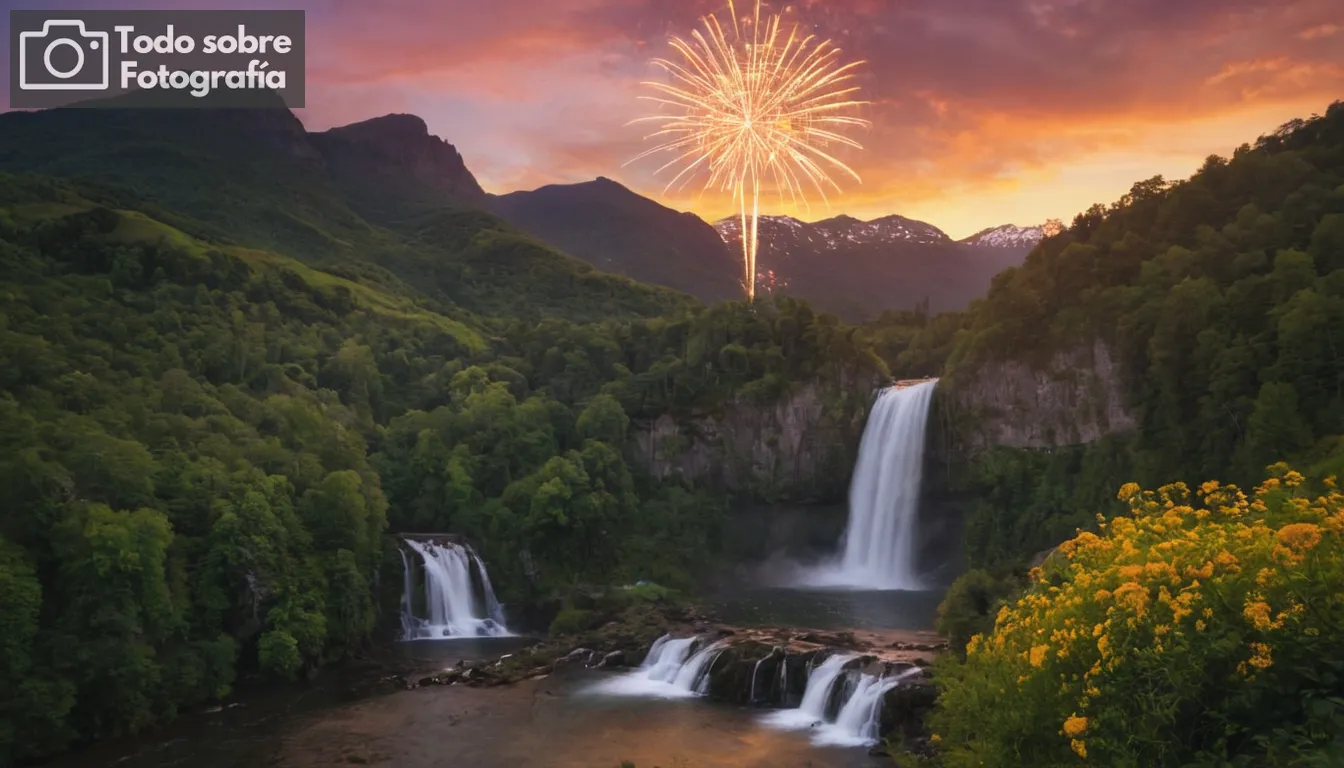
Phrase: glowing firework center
(753, 104)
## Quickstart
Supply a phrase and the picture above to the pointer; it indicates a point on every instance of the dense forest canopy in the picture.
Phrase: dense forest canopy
(205, 443)
(1196, 623)
(1222, 299)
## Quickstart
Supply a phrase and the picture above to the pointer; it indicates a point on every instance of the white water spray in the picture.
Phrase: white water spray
(859, 719)
(818, 692)
(672, 669)
(455, 610)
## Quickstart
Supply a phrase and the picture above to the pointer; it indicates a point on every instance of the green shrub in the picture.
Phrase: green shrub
(1187, 633)
(648, 592)
(970, 605)
(573, 621)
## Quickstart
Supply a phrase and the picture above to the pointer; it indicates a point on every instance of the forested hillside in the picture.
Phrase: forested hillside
(255, 178)
(1222, 300)
(1199, 622)
(204, 444)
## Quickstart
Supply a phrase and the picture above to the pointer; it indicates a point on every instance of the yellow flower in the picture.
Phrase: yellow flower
(1038, 653)
(935, 739)
(1079, 747)
(1300, 537)
(1203, 572)
(1132, 597)
(1260, 656)
(1074, 726)
(1258, 614)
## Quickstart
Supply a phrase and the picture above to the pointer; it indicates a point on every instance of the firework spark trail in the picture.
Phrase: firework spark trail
(751, 108)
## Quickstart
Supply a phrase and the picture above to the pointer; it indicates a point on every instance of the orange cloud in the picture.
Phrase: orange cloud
(982, 109)
(1323, 30)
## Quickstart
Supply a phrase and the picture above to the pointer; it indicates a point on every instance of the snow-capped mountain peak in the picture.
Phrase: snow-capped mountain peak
(1006, 236)
(840, 231)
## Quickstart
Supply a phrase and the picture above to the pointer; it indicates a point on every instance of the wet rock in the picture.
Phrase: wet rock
(579, 655)
(446, 677)
(905, 708)
(612, 659)
(780, 676)
(837, 639)
(923, 647)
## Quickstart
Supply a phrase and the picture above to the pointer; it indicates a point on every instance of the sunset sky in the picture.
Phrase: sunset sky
(985, 111)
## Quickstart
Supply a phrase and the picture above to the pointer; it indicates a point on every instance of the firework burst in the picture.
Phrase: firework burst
(749, 104)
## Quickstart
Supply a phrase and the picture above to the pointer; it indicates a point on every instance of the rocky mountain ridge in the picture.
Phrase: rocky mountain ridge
(1006, 236)
(834, 233)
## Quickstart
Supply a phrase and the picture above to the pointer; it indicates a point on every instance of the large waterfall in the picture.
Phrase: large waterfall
(880, 545)
(458, 598)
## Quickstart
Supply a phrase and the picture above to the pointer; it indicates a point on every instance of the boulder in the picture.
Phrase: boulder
(578, 656)
(612, 659)
(904, 710)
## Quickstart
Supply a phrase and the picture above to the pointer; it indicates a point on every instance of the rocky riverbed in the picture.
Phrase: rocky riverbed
(751, 667)
(513, 703)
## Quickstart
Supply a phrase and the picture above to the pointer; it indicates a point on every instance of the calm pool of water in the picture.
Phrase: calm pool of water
(826, 608)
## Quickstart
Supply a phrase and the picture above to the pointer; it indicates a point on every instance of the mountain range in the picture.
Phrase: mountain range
(381, 204)
(341, 186)
(855, 269)
(858, 269)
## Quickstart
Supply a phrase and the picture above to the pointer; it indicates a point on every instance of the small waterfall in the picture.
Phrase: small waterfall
(819, 683)
(755, 672)
(694, 674)
(674, 668)
(666, 658)
(450, 600)
(858, 718)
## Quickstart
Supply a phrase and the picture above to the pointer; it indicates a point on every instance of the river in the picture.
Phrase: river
(554, 722)
(350, 717)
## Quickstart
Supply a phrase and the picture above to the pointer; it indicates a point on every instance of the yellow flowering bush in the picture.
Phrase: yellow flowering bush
(1200, 629)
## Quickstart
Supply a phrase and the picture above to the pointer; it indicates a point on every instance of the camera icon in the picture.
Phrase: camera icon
(45, 58)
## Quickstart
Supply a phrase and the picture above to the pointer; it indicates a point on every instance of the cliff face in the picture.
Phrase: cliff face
(1077, 398)
(391, 166)
(800, 447)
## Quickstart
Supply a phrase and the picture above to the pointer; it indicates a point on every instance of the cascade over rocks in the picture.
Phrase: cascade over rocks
(850, 687)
